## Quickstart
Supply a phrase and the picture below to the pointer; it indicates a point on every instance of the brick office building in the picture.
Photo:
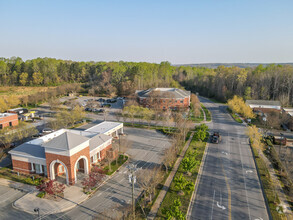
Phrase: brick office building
(65, 152)
(8, 120)
(164, 98)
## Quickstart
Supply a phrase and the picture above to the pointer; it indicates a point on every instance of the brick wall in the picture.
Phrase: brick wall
(104, 152)
(69, 162)
(166, 103)
(4, 121)
(21, 166)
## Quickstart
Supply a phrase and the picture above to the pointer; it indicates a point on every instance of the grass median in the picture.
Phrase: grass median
(269, 188)
(196, 149)
(207, 112)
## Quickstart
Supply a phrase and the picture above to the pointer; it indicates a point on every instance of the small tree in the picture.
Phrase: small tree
(181, 183)
(174, 212)
(51, 187)
(188, 164)
(200, 135)
(96, 176)
(169, 157)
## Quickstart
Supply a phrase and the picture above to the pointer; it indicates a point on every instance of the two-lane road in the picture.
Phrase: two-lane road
(229, 187)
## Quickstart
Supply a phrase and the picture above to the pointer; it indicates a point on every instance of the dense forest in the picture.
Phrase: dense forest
(273, 82)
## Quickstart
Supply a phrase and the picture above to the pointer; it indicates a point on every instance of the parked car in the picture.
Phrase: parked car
(216, 137)
(47, 130)
(88, 109)
(37, 135)
(101, 100)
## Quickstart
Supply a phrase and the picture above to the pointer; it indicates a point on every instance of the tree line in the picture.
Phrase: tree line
(272, 82)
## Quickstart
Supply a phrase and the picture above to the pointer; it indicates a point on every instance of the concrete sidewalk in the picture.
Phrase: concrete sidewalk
(72, 196)
(154, 210)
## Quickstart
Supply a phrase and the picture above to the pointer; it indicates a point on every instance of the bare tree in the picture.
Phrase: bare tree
(170, 156)
(125, 144)
(148, 180)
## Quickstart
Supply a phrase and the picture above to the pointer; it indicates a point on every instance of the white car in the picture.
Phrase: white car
(47, 130)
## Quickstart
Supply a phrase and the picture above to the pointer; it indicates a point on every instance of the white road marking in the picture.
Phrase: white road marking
(221, 206)
(249, 171)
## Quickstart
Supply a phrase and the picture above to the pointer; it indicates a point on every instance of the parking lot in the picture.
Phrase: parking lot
(146, 150)
(7, 197)
(95, 104)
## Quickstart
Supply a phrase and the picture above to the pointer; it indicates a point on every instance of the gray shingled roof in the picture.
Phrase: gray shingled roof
(263, 102)
(65, 141)
(164, 92)
(29, 150)
(98, 140)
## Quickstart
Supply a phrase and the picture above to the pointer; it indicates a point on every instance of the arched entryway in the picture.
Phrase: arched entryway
(81, 166)
(58, 168)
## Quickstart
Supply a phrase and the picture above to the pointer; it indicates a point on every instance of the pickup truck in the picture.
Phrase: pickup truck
(216, 137)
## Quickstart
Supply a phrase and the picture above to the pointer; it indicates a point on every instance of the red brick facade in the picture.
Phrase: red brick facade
(69, 162)
(165, 103)
(21, 166)
(9, 120)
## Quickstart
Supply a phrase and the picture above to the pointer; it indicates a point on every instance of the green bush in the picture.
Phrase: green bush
(41, 194)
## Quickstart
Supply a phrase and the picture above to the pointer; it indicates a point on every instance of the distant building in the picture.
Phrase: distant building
(66, 152)
(8, 120)
(18, 111)
(263, 104)
(164, 98)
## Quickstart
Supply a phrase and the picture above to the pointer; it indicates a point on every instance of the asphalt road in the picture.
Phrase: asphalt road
(7, 197)
(229, 187)
(146, 151)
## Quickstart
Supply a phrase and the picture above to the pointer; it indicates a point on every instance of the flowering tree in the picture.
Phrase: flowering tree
(96, 175)
(51, 187)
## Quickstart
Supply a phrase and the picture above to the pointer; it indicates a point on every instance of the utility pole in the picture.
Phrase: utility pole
(132, 179)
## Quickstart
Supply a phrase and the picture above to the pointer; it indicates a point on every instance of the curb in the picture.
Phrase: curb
(197, 182)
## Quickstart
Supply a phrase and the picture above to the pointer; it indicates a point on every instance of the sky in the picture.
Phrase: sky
(181, 31)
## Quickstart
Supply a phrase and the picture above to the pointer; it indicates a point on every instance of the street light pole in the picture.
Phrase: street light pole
(132, 179)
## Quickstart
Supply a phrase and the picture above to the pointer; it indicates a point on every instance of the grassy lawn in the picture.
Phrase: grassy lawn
(198, 119)
(268, 186)
(7, 173)
(20, 91)
(196, 148)
(114, 166)
(236, 118)
(207, 112)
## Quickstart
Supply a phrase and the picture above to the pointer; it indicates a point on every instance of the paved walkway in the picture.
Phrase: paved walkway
(282, 197)
(72, 196)
(168, 182)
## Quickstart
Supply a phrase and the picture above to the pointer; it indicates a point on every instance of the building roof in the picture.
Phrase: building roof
(104, 127)
(263, 102)
(3, 115)
(164, 93)
(65, 141)
(98, 140)
(29, 150)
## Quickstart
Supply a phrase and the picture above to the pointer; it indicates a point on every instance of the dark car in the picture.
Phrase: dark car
(88, 109)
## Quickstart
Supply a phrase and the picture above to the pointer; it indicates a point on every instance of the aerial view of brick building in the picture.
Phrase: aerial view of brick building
(8, 120)
(65, 152)
(164, 98)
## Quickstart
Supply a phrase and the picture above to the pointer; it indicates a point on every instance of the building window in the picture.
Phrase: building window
(38, 168)
(61, 168)
(95, 157)
(181, 101)
(10, 123)
(45, 170)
